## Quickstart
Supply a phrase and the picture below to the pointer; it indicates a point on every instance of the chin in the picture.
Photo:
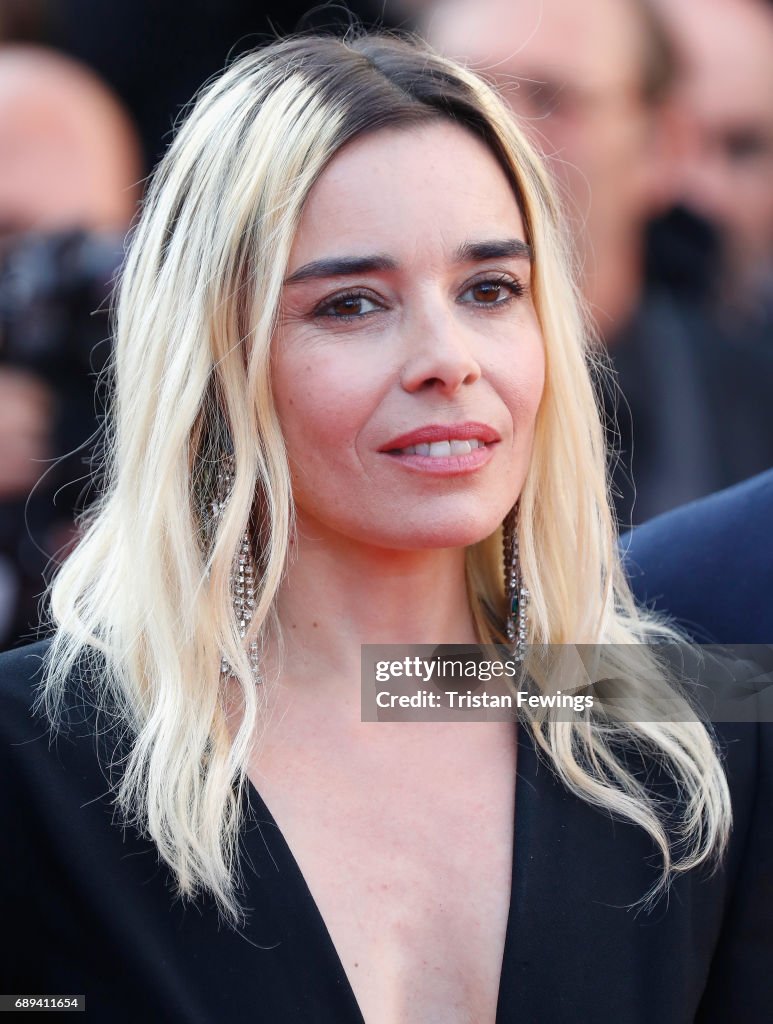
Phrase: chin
(436, 534)
(414, 528)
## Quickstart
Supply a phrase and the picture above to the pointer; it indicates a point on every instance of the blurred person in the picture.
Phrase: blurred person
(593, 84)
(726, 49)
(590, 83)
(69, 184)
(69, 155)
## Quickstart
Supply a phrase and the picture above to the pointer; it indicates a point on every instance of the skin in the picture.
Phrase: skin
(421, 350)
(727, 48)
(70, 155)
(573, 72)
(425, 859)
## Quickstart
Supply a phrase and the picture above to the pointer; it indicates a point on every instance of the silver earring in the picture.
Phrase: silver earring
(242, 578)
(515, 589)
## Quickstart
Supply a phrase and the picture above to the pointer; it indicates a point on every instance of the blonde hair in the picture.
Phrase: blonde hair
(145, 597)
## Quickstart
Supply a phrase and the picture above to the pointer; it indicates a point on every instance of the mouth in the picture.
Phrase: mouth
(444, 449)
(439, 440)
(441, 449)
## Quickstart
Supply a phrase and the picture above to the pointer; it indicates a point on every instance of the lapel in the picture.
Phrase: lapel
(575, 949)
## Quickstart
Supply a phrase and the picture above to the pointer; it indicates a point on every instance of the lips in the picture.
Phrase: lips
(441, 440)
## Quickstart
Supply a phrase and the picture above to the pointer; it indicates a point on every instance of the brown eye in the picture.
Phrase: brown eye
(491, 293)
(346, 307)
(486, 293)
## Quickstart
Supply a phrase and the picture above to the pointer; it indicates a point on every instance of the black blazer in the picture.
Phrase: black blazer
(87, 907)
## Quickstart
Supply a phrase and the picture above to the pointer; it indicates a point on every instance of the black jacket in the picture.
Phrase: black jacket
(88, 908)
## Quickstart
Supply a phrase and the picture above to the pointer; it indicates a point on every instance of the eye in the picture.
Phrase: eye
(492, 292)
(744, 145)
(347, 307)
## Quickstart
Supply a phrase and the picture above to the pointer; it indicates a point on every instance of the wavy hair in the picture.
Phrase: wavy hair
(144, 599)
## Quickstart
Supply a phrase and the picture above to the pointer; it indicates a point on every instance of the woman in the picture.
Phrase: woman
(349, 351)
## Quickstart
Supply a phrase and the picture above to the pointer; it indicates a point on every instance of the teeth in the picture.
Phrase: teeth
(460, 448)
(442, 449)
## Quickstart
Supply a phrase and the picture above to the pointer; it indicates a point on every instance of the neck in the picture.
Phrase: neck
(339, 594)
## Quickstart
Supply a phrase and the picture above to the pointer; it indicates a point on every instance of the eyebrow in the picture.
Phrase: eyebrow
(467, 252)
(499, 248)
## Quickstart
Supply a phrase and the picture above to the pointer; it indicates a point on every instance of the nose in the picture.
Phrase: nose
(439, 356)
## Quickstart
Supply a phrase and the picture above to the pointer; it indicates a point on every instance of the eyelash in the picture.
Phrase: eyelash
(513, 285)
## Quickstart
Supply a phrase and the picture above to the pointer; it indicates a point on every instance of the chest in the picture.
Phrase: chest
(407, 852)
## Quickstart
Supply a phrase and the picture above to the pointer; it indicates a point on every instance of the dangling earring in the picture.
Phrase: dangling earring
(516, 591)
(242, 578)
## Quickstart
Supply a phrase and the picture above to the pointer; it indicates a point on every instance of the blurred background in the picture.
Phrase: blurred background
(655, 117)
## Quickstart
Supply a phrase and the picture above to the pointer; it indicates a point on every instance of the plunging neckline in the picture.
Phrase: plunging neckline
(526, 762)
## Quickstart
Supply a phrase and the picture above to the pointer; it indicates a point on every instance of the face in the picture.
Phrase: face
(68, 157)
(728, 87)
(408, 362)
(573, 73)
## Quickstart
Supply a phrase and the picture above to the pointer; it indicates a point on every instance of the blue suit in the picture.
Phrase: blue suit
(709, 564)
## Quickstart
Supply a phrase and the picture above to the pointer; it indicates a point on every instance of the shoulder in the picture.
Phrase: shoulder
(20, 668)
(21, 675)
(709, 564)
(715, 516)
(44, 764)
(22, 678)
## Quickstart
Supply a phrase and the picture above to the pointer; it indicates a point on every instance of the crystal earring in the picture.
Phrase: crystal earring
(515, 589)
(242, 579)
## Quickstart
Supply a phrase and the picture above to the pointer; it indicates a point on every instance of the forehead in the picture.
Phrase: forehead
(597, 45)
(425, 187)
(729, 57)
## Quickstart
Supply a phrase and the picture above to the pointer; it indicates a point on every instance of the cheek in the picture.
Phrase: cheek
(533, 382)
(524, 385)
(322, 407)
